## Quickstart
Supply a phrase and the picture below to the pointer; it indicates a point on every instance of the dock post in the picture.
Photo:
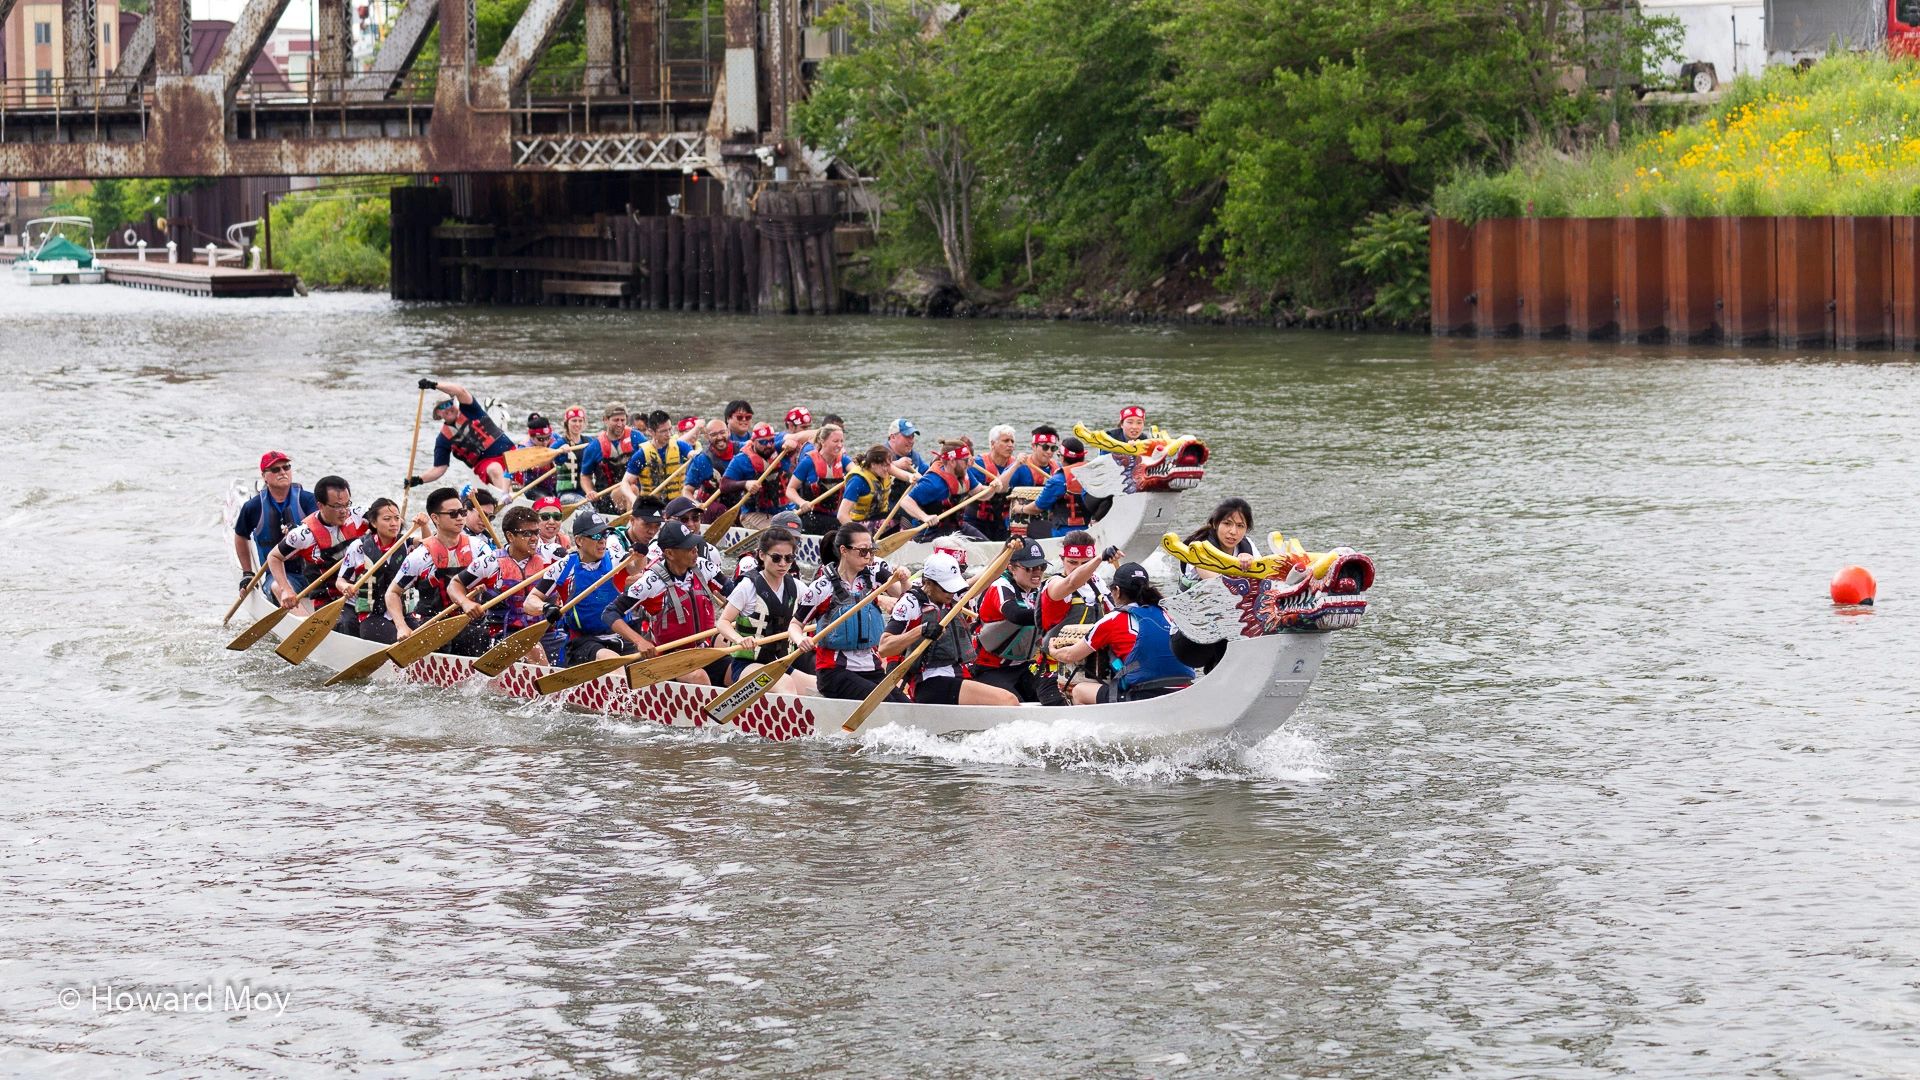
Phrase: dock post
(142, 245)
(173, 251)
(255, 250)
(212, 261)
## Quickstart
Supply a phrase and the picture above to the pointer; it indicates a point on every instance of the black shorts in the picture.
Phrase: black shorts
(584, 648)
(1110, 693)
(939, 690)
(1016, 681)
(853, 685)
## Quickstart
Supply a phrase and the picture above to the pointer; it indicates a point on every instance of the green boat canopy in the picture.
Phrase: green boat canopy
(62, 248)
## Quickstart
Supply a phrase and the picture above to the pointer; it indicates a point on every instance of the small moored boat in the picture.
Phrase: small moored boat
(57, 255)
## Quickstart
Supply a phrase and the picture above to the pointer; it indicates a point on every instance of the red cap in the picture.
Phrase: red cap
(1132, 411)
(1044, 439)
(762, 431)
(688, 423)
(799, 415)
(271, 458)
(546, 501)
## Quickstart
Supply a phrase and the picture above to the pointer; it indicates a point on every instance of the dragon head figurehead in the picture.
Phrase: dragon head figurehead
(1292, 590)
(1159, 462)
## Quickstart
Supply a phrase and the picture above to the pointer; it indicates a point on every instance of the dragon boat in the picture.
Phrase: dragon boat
(1276, 633)
(1139, 480)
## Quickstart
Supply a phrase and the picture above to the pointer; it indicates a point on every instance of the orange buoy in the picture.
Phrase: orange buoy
(1852, 585)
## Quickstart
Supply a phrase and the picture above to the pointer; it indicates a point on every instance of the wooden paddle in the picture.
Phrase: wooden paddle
(419, 412)
(753, 686)
(425, 638)
(521, 642)
(242, 598)
(523, 488)
(901, 669)
(306, 637)
(522, 458)
(659, 669)
(569, 677)
(894, 541)
(259, 629)
(725, 521)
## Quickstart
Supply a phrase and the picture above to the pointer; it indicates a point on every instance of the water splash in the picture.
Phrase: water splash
(1081, 745)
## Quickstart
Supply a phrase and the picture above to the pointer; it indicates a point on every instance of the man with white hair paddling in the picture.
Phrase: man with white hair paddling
(989, 516)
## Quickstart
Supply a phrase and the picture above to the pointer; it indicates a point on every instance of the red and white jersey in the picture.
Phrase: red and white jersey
(907, 615)
(309, 539)
(355, 562)
(816, 598)
(1114, 633)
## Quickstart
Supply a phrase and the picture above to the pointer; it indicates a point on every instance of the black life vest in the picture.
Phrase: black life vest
(470, 439)
(612, 465)
(773, 616)
(369, 597)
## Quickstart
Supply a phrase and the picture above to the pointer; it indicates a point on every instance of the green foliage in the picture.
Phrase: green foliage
(1389, 249)
(115, 204)
(333, 240)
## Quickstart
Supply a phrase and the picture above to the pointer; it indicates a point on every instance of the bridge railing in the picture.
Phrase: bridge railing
(79, 110)
(328, 101)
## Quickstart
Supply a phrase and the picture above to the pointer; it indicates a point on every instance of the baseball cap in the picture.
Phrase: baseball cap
(675, 536)
(546, 502)
(681, 506)
(787, 519)
(1131, 577)
(944, 572)
(271, 458)
(903, 426)
(647, 511)
(799, 415)
(612, 410)
(590, 524)
(1030, 554)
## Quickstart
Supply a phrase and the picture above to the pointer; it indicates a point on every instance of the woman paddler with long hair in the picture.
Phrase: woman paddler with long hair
(566, 472)
(365, 615)
(846, 663)
(1226, 528)
(764, 601)
(1139, 639)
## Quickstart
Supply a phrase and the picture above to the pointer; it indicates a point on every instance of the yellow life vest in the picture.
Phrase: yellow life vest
(657, 464)
(873, 504)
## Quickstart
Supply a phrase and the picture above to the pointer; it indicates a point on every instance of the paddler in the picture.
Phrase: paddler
(550, 513)
(1033, 471)
(708, 466)
(763, 602)
(467, 433)
(947, 483)
(365, 616)
(481, 506)
(750, 561)
(1138, 637)
(763, 498)
(649, 513)
(494, 572)
(566, 471)
(1072, 597)
(674, 597)
(318, 541)
(739, 416)
(940, 675)
(1008, 638)
(1133, 424)
(846, 664)
(903, 461)
(657, 459)
(821, 467)
(539, 437)
(589, 635)
(870, 489)
(1226, 528)
(990, 515)
(273, 511)
(1063, 503)
(430, 567)
(603, 464)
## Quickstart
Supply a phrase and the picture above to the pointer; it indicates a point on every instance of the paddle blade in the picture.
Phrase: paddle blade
(885, 687)
(724, 522)
(523, 458)
(361, 668)
(742, 544)
(747, 689)
(510, 649)
(258, 630)
(887, 545)
(427, 639)
(667, 668)
(569, 677)
(307, 637)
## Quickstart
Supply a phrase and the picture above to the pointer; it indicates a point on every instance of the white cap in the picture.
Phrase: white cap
(943, 571)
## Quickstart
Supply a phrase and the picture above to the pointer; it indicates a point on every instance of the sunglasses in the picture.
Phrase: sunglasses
(556, 516)
(742, 417)
(450, 512)
(282, 467)
(524, 532)
(781, 559)
(868, 550)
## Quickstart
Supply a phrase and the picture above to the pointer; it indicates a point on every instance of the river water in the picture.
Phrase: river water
(1603, 786)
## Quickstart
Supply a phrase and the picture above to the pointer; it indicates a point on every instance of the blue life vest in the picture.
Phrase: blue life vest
(860, 632)
(276, 519)
(1152, 659)
(588, 616)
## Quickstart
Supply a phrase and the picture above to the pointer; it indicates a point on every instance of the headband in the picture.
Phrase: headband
(1044, 439)
(1077, 551)
(575, 413)
(958, 453)
(1133, 411)
(688, 424)
(762, 431)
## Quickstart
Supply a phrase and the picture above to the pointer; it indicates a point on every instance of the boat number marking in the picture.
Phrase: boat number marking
(1297, 665)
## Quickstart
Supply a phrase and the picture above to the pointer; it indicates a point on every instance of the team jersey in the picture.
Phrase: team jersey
(704, 469)
(420, 560)
(995, 604)
(301, 542)
(816, 597)
(907, 615)
(807, 474)
(1092, 594)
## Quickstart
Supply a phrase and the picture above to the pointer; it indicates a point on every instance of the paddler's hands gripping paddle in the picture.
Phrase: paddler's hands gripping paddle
(266, 623)
(428, 636)
(901, 669)
(521, 642)
(893, 542)
(306, 637)
(754, 685)
(725, 521)
(522, 458)
(244, 590)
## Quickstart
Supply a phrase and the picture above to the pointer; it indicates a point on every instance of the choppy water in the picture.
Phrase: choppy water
(1604, 786)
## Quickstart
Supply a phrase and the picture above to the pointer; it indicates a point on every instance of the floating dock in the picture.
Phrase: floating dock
(193, 279)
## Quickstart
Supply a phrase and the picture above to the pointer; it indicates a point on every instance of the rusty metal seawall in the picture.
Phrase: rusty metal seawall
(1845, 282)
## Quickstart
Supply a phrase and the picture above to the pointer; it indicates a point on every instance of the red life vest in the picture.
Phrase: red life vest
(329, 543)
(447, 562)
(685, 608)
(956, 487)
(770, 498)
(508, 575)
(992, 510)
(470, 439)
(611, 467)
(825, 474)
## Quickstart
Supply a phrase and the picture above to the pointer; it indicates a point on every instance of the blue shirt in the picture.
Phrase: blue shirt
(1051, 492)
(932, 494)
(702, 470)
(268, 522)
(857, 488)
(919, 463)
(805, 473)
(443, 446)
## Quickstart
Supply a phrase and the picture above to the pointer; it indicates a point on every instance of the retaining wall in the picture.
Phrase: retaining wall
(1847, 282)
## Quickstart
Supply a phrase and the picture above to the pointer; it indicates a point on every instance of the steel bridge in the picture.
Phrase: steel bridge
(630, 107)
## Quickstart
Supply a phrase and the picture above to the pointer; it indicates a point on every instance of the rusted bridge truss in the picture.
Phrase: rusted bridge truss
(632, 106)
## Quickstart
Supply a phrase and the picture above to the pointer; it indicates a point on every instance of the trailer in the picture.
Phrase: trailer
(1719, 41)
